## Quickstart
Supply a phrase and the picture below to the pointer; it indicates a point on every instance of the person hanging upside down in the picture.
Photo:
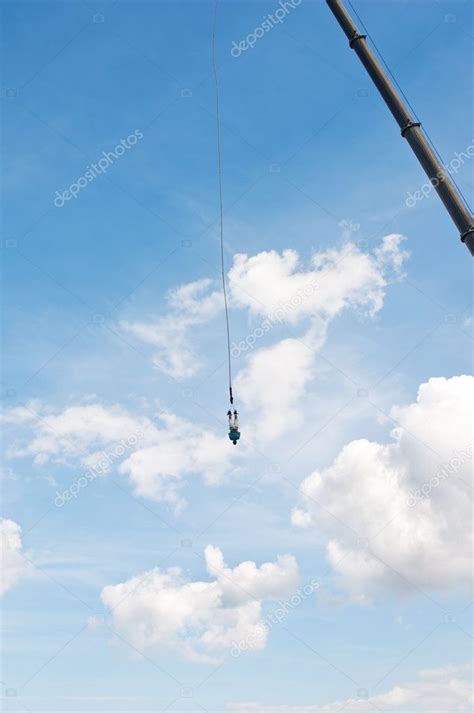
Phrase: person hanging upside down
(234, 433)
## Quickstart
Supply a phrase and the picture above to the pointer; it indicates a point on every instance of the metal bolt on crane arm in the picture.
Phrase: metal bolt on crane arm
(410, 128)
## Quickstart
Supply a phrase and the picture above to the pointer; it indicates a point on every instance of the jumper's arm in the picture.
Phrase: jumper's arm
(410, 129)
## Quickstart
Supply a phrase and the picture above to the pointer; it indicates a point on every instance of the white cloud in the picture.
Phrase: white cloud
(384, 492)
(155, 454)
(443, 689)
(14, 566)
(271, 284)
(79, 432)
(179, 448)
(336, 279)
(273, 383)
(199, 619)
(189, 305)
(20, 414)
(275, 379)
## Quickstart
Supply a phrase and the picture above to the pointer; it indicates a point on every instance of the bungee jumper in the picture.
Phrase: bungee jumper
(232, 415)
(234, 433)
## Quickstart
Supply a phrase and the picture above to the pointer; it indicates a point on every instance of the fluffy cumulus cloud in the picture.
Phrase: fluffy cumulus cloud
(77, 432)
(13, 564)
(442, 689)
(274, 382)
(199, 619)
(155, 453)
(189, 305)
(177, 449)
(273, 284)
(277, 288)
(397, 516)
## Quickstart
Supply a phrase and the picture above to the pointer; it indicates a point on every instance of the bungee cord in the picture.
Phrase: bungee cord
(233, 416)
(221, 206)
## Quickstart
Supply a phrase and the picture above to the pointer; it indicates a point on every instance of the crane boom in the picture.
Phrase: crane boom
(410, 128)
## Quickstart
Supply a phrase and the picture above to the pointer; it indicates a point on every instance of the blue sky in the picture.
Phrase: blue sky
(113, 324)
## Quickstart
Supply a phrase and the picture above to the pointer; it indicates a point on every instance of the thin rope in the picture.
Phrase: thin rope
(221, 205)
(431, 143)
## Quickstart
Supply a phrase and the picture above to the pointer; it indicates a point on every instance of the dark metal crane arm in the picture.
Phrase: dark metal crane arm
(410, 128)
